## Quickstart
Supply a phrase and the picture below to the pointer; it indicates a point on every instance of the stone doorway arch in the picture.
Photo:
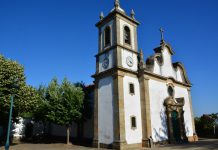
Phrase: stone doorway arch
(175, 119)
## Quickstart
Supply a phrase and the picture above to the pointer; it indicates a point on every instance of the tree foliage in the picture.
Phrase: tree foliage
(60, 103)
(87, 106)
(12, 82)
(65, 102)
(87, 109)
(205, 125)
(40, 110)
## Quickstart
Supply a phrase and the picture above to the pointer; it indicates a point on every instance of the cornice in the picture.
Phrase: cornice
(113, 47)
(146, 73)
(112, 14)
(112, 72)
(166, 78)
(179, 64)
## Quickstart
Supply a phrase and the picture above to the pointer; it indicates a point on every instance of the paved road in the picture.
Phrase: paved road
(47, 147)
(203, 144)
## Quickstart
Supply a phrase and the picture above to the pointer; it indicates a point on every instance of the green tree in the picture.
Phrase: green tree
(25, 97)
(65, 102)
(40, 110)
(205, 125)
(214, 116)
(86, 109)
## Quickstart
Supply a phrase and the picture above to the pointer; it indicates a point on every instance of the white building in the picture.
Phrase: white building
(135, 99)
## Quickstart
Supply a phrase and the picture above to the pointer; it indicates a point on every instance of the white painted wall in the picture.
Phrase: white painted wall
(132, 107)
(157, 69)
(105, 110)
(56, 130)
(158, 93)
(125, 54)
(18, 128)
(179, 75)
(111, 60)
(131, 27)
(167, 69)
(183, 92)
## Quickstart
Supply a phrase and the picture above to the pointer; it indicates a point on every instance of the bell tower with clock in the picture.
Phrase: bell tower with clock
(117, 110)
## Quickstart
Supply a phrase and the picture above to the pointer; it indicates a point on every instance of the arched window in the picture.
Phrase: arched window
(171, 91)
(127, 39)
(107, 36)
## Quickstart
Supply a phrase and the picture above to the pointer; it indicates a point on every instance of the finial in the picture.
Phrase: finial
(141, 56)
(162, 36)
(132, 14)
(117, 3)
(141, 62)
(101, 15)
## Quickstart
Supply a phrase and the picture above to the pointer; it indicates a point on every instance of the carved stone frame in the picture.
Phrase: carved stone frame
(171, 105)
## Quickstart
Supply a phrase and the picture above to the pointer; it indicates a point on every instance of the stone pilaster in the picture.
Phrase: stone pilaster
(117, 51)
(95, 139)
(97, 64)
(117, 31)
(136, 39)
(119, 118)
(99, 40)
(145, 110)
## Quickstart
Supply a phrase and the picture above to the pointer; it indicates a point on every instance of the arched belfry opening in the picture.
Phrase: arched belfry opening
(127, 36)
(175, 117)
(107, 36)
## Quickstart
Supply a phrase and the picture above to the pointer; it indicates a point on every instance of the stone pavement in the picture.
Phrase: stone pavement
(203, 144)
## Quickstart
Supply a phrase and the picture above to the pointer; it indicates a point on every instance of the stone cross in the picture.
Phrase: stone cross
(161, 32)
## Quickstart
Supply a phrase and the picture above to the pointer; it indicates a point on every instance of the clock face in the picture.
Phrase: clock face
(129, 61)
(105, 63)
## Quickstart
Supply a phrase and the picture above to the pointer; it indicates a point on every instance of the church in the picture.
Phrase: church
(138, 100)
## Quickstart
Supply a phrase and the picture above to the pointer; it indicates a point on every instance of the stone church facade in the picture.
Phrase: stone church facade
(137, 100)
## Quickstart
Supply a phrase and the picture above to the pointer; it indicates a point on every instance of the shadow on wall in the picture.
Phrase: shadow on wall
(187, 130)
(161, 134)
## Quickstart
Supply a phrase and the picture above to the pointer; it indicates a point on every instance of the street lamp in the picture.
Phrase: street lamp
(10, 115)
(9, 124)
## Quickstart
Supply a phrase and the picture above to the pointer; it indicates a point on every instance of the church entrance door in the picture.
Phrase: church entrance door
(176, 126)
(175, 119)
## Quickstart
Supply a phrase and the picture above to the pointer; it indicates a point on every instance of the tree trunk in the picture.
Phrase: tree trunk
(68, 135)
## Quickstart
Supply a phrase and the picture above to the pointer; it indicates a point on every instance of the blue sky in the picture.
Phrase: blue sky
(59, 38)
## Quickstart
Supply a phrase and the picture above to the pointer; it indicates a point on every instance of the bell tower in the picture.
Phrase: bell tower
(116, 123)
(116, 31)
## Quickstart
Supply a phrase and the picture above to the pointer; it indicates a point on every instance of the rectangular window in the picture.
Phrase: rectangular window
(131, 88)
(133, 122)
